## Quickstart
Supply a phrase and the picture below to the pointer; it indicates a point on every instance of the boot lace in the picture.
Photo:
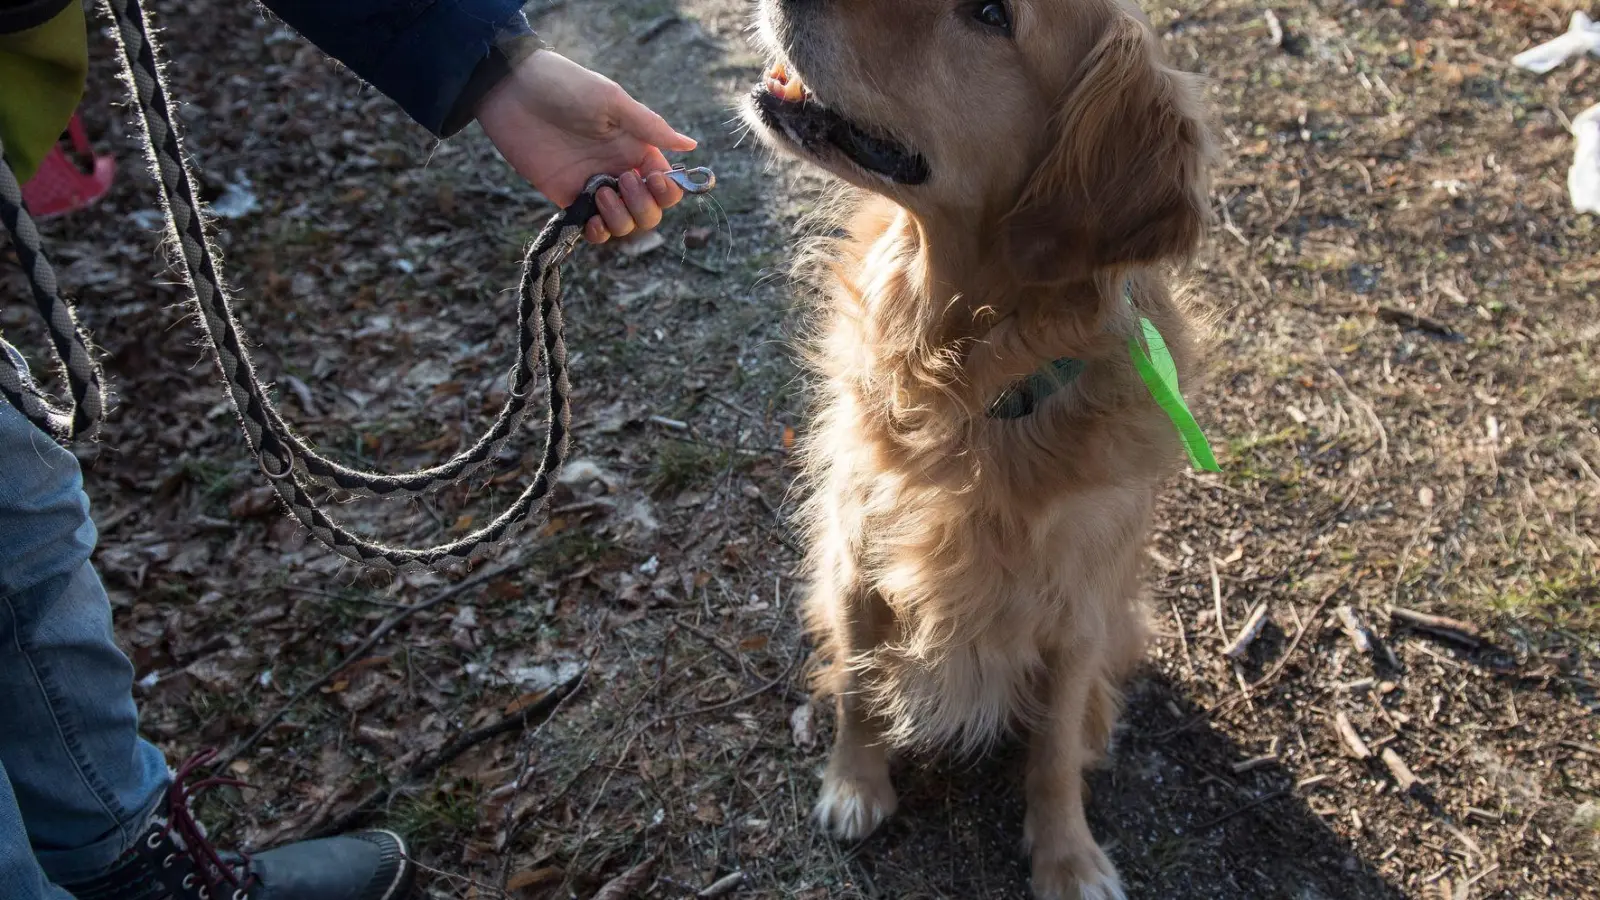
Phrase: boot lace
(212, 874)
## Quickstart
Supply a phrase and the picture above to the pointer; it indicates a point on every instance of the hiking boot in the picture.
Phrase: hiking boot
(174, 860)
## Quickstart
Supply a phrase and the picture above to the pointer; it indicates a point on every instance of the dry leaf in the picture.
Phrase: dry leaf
(697, 237)
(754, 642)
(800, 726)
(529, 878)
(525, 701)
(623, 886)
(708, 811)
(253, 503)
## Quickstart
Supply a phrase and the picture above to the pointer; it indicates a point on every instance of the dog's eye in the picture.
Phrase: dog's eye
(993, 15)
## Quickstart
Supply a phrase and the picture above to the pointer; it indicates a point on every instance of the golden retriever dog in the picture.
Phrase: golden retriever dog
(986, 456)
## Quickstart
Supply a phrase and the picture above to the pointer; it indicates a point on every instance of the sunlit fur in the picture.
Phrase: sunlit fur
(971, 574)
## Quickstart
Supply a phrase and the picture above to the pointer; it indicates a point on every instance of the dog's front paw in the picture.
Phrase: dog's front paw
(853, 805)
(1078, 876)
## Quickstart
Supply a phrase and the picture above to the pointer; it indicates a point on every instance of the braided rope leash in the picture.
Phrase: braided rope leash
(68, 344)
(291, 465)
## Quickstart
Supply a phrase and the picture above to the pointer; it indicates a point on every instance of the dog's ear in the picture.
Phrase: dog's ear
(1125, 178)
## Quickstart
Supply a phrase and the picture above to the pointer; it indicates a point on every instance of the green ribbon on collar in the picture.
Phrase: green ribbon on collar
(1160, 375)
(1154, 365)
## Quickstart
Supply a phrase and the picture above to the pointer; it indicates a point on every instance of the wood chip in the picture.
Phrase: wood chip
(1398, 768)
(1352, 740)
(1464, 633)
(1311, 780)
(1358, 633)
(1247, 634)
(1216, 599)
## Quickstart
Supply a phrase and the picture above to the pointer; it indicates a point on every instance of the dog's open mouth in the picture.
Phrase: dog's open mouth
(789, 107)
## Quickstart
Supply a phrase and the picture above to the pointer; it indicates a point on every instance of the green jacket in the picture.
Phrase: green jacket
(42, 73)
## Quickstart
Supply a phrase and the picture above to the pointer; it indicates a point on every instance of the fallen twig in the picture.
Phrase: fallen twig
(724, 885)
(656, 28)
(1352, 740)
(1199, 718)
(1254, 762)
(1183, 636)
(1580, 746)
(1264, 798)
(1407, 319)
(725, 704)
(536, 712)
(1247, 634)
(372, 640)
(794, 694)
(1316, 613)
(1463, 633)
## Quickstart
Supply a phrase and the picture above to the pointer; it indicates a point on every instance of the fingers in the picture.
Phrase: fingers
(641, 201)
(632, 208)
(643, 123)
(595, 231)
(665, 191)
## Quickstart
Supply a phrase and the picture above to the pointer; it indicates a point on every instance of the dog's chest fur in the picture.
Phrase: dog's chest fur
(972, 553)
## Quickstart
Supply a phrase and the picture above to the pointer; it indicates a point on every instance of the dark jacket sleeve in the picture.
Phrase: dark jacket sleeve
(435, 58)
(21, 15)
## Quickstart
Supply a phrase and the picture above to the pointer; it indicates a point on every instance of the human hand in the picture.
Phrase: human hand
(559, 124)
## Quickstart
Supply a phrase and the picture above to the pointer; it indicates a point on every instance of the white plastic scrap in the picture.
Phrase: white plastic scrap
(1583, 179)
(1583, 36)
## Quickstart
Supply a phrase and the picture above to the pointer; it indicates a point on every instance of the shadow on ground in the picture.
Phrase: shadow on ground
(1169, 808)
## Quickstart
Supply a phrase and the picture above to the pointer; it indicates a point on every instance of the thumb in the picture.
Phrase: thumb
(641, 122)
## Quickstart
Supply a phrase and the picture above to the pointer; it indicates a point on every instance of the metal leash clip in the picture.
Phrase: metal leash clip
(686, 178)
(699, 180)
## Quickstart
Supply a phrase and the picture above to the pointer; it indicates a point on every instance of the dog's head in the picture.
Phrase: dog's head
(1051, 128)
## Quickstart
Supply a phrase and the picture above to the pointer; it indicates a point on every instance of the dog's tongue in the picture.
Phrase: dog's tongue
(785, 86)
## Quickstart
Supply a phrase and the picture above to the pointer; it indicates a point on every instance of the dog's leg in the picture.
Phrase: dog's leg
(856, 792)
(1129, 632)
(1067, 863)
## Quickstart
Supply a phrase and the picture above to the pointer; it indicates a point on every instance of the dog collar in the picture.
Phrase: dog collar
(1021, 399)
(1154, 363)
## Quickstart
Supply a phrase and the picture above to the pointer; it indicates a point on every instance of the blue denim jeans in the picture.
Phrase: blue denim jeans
(77, 783)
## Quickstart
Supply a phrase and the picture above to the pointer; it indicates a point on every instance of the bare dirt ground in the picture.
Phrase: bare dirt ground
(1381, 160)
